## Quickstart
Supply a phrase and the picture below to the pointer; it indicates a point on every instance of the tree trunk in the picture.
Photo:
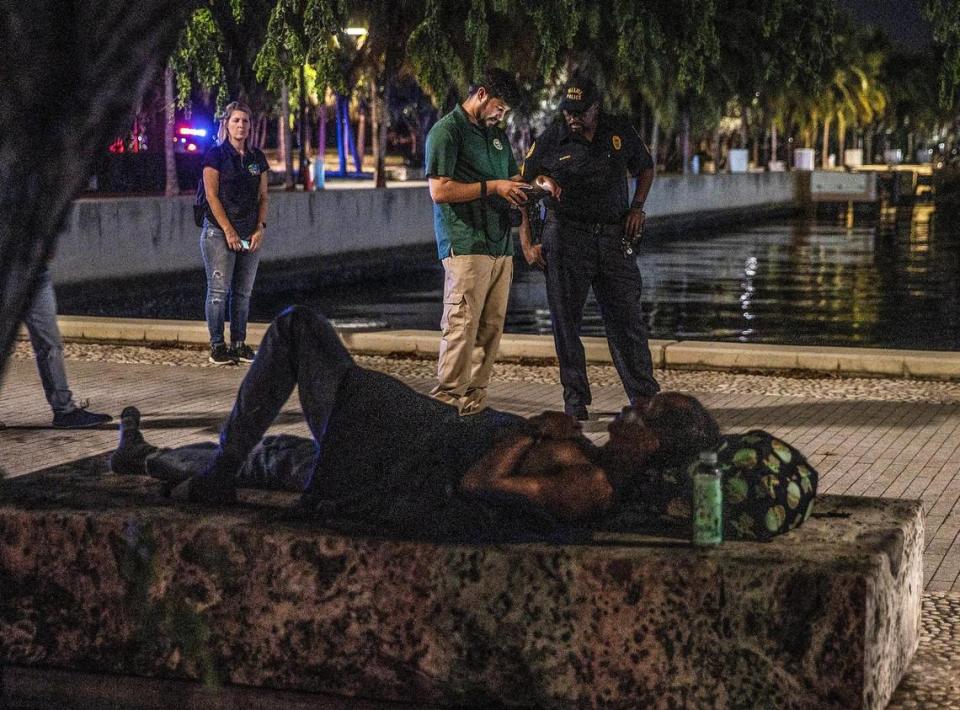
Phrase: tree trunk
(773, 142)
(715, 150)
(171, 186)
(362, 134)
(321, 143)
(685, 141)
(654, 138)
(304, 173)
(72, 74)
(744, 127)
(841, 138)
(260, 134)
(284, 137)
(379, 134)
(825, 157)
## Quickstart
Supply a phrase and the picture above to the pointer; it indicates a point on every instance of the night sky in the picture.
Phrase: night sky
(900, 19)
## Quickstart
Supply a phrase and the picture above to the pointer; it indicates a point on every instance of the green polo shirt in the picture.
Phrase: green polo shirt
(461, 151)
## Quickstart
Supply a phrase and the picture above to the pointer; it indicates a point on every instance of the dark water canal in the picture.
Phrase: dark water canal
(892, 281)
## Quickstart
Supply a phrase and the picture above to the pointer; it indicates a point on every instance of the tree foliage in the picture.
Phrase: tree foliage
(302, 32)
(196, 60)
(945, 17)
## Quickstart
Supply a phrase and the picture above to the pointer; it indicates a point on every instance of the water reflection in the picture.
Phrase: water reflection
(889, 282)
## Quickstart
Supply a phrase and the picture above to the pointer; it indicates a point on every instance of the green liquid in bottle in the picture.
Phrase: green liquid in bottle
(707, 501)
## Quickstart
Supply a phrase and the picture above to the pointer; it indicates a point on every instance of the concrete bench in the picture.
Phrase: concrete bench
(99, 574)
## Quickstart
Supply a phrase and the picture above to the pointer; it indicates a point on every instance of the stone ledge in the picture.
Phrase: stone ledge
(101, 574)
(667, 354)
(833, 360)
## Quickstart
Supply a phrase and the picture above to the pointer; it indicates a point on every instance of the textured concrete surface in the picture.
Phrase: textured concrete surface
(101, 574)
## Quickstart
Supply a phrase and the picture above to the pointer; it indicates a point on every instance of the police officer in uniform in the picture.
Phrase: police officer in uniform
(588, 239)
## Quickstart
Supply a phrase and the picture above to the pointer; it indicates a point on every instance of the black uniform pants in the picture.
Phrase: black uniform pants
(580, 256)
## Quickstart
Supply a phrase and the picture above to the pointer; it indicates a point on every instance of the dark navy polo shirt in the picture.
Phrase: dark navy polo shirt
(593, 174)
(239, 185)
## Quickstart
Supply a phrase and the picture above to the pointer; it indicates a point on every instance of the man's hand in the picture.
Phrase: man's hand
(496, 464)
(509, 190)
(545, 182)
(634, 224)
(534, 256)
(556, 425)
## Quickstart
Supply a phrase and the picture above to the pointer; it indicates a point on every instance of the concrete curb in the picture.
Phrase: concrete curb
(667, 354)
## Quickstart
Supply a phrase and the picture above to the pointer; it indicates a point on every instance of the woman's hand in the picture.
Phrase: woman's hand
(256, 238)
(233, 239)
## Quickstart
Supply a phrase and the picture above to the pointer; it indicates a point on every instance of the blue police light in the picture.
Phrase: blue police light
(188, 131)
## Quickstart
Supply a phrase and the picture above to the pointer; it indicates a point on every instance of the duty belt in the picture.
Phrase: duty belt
(588, 226)
(627, 243)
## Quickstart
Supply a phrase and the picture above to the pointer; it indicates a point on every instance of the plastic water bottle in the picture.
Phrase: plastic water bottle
(707, 501)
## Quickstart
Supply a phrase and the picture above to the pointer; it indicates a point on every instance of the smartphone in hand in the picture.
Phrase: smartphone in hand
(245, 244)
(534, 193)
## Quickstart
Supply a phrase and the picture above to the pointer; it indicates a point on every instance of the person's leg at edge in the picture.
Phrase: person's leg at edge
(41, 322)
(218, 262)
(618, 289)
(568, 275)
(489, 331)
(300, 349)
(464, 278)
(244, 275)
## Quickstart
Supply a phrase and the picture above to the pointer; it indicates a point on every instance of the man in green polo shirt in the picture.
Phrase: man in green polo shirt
(474, 184)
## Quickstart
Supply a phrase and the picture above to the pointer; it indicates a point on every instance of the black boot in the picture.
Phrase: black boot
(131, 454)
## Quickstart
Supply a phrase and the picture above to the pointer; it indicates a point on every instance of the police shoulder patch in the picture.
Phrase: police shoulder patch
(617, 143)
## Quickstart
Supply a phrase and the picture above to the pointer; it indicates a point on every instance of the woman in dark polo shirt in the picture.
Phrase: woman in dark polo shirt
(235, 182)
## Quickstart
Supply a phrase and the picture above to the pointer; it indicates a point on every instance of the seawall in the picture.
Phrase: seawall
(113, 238)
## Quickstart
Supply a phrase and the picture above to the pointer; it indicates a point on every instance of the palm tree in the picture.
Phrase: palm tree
(855, 95)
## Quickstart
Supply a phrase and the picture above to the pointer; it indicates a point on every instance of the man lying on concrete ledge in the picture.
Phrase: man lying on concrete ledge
(387, 460)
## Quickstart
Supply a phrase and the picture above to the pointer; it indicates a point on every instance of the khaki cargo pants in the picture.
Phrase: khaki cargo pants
(476, 288)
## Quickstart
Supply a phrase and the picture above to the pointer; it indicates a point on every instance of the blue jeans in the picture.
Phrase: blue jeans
(230, 276)
(300, 349)
(283, 463)
(41, 322)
